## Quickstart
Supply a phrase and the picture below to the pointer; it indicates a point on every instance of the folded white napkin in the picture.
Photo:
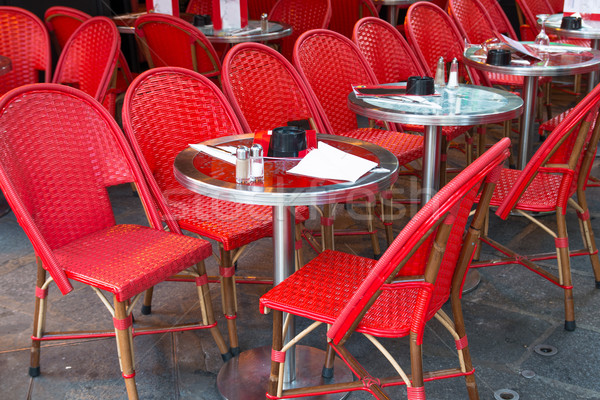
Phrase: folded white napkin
(327, 162)
(225, 153)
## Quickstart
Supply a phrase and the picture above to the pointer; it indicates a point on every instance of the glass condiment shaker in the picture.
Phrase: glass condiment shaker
(257, 163)
(440, 74)
(264, 23)
(453, 77)
(242, 165)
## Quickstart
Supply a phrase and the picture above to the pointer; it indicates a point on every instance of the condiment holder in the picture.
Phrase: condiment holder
(420, 85)
(498, 57)
(287, 141)
(571, 23)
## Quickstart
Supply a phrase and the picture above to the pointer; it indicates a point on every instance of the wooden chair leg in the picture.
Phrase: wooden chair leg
(327, 241)
(147, 304)
(122, 322)
(417, 391)
(463, 345)
(587, 234)
(39, 317)
(229, 299)
(564, 269)
(277, 346)
(208, 316)
(299, 257)
(387, 200)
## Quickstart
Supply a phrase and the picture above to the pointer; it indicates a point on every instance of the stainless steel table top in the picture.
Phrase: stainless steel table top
(467, 105)
(277, 191)
(589, 29)
(569, 62)
(251, 33)
(394, 2)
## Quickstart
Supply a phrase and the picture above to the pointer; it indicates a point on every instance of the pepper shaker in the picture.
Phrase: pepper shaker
(257, 163)
(440, 73)
(264, 23)
(242, 165)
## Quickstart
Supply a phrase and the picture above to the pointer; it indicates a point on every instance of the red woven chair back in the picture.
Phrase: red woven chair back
(330, 64)
(60, 150)
(433, 34)
(251, 68)
(302, 15)
(89, 58)
(450, 207)
(26, 42)
(63, 21)
(564, 147)
(171, 41)
(499, 18)
(472, 20)
(200, 7)
(258, 7)
(345, 13)
(531, 8)
(154, 120)
(386, 51)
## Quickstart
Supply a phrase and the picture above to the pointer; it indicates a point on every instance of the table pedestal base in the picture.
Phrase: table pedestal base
(245, 377)
(472, 280)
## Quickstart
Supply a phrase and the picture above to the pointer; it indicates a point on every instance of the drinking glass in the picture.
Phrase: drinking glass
(542, 38)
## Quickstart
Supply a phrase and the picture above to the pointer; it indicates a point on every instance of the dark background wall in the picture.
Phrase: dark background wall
(92, 7)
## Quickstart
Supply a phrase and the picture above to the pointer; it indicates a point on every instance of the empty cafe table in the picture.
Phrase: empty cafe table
(467, 105)
(589, 30)
(560, 60)
(246, 376)
(251, 33)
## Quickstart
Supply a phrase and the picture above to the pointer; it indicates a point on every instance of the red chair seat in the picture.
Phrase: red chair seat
(405, 146)
(325, 276)
(98, 259)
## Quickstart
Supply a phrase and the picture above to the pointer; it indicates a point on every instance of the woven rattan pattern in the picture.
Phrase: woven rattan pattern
(90, 57)
(433, 35)
(167, 112)
(50, 157)
(541, 195)
(200, 7)
(63, 21)
(331, 64)
(264, 89)
(151, 256)
(26, 42)
(302, 15)
(170, 40)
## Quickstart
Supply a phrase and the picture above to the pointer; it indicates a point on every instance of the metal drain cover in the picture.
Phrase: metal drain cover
(527, 373)
(545, 350)
(506, 394)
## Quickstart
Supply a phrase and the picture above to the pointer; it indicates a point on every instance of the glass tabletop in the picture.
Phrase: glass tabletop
(561, 59)
(252, 32)
(467, 105)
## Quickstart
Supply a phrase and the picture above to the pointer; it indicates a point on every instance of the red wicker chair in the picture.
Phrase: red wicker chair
(166, 109)
(89, 59)
(345, 13)
(392, 60)
(171, 41)
(395, 296)
(302, 15)
(557, 171)
(258, 7)
(61, 150)
(329, 64)
(499, 18)
(63, 21)
(26, 42)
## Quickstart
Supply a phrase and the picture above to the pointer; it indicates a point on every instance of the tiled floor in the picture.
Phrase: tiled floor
(507, 316)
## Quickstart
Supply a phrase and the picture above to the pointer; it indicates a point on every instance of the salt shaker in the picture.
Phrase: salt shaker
(242, 165)
(453, 78)
(257, 163)
(440, 74)
(264, 23)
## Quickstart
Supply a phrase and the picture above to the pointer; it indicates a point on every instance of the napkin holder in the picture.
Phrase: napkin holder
(201, 21)
(498, 57)
(571, 23)
(230, 14)
(420, 85)
(297, 148)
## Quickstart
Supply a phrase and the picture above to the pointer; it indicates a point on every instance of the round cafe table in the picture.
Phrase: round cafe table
(557, 62)
(251, 33)
(589, 30)
(246, 376)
